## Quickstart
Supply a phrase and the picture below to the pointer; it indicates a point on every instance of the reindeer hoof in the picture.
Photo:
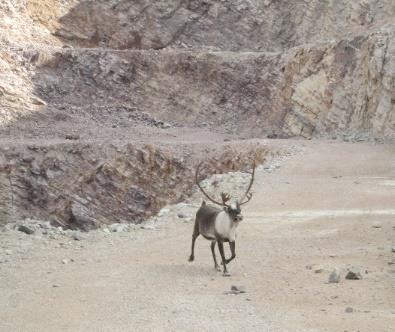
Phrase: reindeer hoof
(190, 259)
(226, 274)
(218, 268)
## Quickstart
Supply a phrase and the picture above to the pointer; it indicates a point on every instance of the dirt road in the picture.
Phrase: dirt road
(330, 206)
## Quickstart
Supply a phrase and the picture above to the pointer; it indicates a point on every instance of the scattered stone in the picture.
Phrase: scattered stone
(349, 310)
(65, 261)
(238, 288)
(163, 212)
(353, 274)
(377, 225)
(334, 277)
(26, 229)
(77, 236)
(72, 137)
(3, 260)
(393, 249)
(55, 286)
(181, 215)
(117, 228)
(148, 227)
(8, 252)
(319, 270)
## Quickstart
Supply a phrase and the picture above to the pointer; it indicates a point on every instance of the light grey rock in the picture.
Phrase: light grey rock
(46, 225)
(349, 310)
(106, 230)
(149, 227)
(77, 236)
(118, 228)
(354, 274)
(82, 216)
(181, 215)
(334, 277)
(163, 212)
(4, 260)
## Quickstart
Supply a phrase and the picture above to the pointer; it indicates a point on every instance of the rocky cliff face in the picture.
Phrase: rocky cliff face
(219, 25)
(317, 69)
(83, 186)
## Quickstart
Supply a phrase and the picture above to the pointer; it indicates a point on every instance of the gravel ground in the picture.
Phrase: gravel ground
(327, 206)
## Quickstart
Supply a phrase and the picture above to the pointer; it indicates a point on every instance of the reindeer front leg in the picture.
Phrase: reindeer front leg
(221, 251)
(216, 266)
(232, 246)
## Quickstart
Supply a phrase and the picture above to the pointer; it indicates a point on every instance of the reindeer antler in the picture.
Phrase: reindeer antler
(225, 197)
(248, 194)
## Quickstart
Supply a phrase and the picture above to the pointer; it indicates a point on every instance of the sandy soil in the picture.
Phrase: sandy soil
(330, 206)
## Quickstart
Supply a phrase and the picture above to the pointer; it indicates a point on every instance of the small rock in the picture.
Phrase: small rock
(8, 252)
(181, 215)
(319, 270)
(77, 236)
(393, 249)
(377, 225)
(117, 228)
(238, 288)
(349, 310)
(65, 261)
(25, 229)
(148, 227)
(55, 286)
(334, 277)
(163, 212)
(3, 260)
(106, 230)
(354, 274)
(46, 225)
(72, 137)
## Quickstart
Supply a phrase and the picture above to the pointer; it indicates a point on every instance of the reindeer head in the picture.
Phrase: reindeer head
(233, 209)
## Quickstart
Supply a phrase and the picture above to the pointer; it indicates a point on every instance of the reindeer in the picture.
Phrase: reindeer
(219, 225)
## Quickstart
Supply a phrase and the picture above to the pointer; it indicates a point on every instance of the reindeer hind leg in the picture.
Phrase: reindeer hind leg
(212, 246)
(195, 234)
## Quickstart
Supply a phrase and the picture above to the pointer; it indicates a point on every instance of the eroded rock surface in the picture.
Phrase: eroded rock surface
(84, 186)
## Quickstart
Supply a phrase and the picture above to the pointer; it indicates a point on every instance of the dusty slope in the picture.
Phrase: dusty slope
(317, 211)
